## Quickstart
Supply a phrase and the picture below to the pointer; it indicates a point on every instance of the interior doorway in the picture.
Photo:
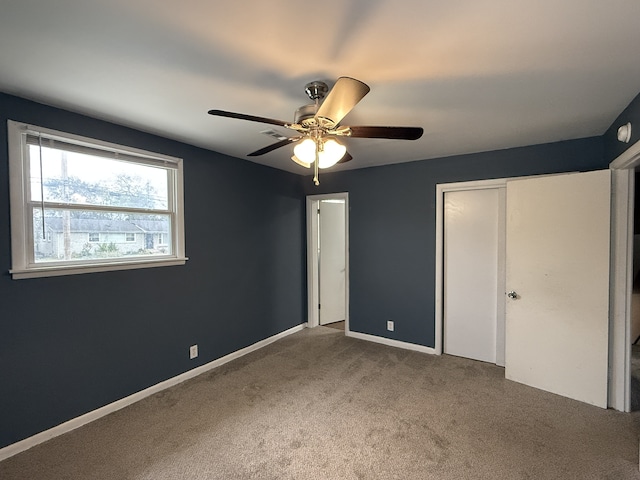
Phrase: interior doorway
(635, 304)
(328, 260)
(622, 276)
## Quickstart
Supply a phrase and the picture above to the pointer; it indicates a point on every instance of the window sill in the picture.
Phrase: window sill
(55, 271)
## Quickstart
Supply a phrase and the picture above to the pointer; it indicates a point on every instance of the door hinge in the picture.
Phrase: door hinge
(319, 307)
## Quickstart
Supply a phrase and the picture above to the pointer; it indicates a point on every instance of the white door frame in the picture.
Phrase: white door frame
(441, 189)
(313, 297)
(622, 202)
(621, 276)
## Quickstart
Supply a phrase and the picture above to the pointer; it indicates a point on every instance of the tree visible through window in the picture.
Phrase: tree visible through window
(95, 204)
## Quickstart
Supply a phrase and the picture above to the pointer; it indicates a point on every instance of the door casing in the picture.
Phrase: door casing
(621, 281)
(313, 297)
(621, 275)
(441, 189)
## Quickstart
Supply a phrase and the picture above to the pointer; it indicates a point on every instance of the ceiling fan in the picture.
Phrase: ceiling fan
(318, 125)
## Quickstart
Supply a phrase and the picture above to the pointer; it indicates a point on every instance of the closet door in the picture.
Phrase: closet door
(557, 279)
(471, 271)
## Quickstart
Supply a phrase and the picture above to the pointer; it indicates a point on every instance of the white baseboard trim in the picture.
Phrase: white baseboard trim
(392, 343)
(22, 445)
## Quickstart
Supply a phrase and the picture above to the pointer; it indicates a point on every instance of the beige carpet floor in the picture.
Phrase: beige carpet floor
(336, 325)
(319, 405)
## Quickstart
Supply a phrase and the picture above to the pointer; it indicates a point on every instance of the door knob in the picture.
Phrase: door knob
(513, 295)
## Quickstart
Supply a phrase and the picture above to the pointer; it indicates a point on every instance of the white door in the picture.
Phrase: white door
(332, 260)
(471, 271)
(557, 266)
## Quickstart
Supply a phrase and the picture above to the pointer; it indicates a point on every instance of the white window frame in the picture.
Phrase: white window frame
(129, 234)
(93, 241)
(22, 245)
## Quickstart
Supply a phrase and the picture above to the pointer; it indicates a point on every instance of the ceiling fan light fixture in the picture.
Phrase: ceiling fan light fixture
(300, 162)
(330, 153)
(319, 124)
(305, 151)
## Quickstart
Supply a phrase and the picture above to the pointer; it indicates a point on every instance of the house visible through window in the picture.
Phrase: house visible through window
(81, 205)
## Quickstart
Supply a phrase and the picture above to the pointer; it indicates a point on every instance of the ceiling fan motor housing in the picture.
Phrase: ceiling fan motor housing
(305, 115)
(320, 123)
(316, 91)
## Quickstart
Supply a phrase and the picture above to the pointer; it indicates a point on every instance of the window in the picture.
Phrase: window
(77, 205)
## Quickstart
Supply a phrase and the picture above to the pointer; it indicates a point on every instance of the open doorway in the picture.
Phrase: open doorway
(621, 338)
(327, 260)
(635, 304)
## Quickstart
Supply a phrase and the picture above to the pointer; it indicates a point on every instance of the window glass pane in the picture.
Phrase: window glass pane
(81, 235)
(80, 205)
(81, 179)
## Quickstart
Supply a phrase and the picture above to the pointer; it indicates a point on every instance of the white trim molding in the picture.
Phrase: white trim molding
(621, 275)
(628, 159)
(391, 343)
(89, 417)
(313, 296)
(620, 287)
(25, 261)
(441, 188)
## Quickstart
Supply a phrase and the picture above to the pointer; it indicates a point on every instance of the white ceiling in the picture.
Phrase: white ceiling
(477, 75)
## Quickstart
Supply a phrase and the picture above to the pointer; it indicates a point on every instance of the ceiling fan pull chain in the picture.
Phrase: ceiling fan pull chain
(315, 164)
(320, 122)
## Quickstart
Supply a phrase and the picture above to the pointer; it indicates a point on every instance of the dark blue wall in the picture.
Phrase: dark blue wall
(614, 148)
(392, 227)
(71, 344)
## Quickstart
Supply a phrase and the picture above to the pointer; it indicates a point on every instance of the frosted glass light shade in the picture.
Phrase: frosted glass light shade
(305, 150)
(300, 162)
(330, 154)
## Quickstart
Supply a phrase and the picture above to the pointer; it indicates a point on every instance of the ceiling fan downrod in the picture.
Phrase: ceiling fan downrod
(321, 121)
(316, 90)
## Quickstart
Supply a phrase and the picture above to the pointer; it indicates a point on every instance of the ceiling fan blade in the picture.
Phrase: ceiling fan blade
(346, 158)
(396, 133)
(344, 95)
(251, 118)
(273, 146)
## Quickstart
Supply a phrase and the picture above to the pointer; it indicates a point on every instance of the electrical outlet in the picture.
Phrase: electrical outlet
(390, 325)
(193, 351)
